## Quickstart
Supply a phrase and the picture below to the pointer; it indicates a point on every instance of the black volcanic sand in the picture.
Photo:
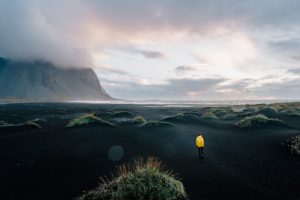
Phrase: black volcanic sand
(55, 162)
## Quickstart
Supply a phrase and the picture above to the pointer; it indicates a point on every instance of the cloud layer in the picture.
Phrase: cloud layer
(163, 48)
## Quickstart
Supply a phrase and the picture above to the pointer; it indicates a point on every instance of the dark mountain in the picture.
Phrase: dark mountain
(43, 81)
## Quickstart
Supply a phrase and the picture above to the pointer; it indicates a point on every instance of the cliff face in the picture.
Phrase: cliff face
(41, 81)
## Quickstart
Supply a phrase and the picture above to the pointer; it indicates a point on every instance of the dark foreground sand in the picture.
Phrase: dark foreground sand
(55, 162)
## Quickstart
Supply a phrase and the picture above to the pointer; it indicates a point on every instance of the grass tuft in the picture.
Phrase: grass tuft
(257, 121)
(143, 180)
(182, 117)
(88, 119)
(209, 116)
(31, 124)
(28, 124)
(139, 120)
(292, 112)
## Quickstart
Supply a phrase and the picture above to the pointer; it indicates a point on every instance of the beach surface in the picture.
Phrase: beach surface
(58, 162)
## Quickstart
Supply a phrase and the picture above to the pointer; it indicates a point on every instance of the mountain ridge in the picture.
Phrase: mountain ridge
(43, 81)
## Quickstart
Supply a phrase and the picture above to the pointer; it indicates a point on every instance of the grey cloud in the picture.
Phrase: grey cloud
(112, 71)
(182, 69)
(145, 53)
(173, 89)
(289, 47)
(291, 43)
(296, 57)
(206, 89)
(193, 85)
(286, 90)
(152, 54)
(195, 14)
(55, 30)
(295, 71)
(29, 30)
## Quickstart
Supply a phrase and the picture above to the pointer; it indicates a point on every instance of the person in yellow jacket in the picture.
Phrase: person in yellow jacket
(200, 145)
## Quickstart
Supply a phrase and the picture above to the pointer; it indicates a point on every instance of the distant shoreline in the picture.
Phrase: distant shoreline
(160, 102)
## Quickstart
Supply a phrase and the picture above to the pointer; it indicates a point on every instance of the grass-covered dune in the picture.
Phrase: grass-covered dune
(293, 145)
(144, 180)
(209, 116)
(292, 112)
(88, 119)
(182, 117)
(257, 121)
(138, 120)
(141, 122)
(27, 124)
(289, 109)
(285, 106)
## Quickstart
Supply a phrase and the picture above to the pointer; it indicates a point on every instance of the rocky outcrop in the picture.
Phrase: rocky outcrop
(43, 81)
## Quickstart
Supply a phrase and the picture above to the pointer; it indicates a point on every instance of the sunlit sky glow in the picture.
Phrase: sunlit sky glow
(164, 49)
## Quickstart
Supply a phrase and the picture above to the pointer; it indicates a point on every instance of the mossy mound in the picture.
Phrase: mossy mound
(250, 110)
(138, 120)
(38, 120)
(292, 112)
(144, 180)
(268, 110)
(286, 106)
(293, 145)
(152, 124)
(209, 116)
(220, 112)
(88, 119)
(257, 121)
(28, 124)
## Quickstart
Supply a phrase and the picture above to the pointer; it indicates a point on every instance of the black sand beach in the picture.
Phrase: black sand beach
(55, 162)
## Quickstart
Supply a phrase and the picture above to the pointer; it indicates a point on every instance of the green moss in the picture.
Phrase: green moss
(257, 121)
(88, 119)
(139, 120)
(268, 110)
(29, 124)
(182, 117)
(220, 112)
(284, 106)
(144, 180)
(292, 112)
(209, 116)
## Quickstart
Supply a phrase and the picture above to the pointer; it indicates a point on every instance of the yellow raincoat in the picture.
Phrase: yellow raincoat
(199, 141)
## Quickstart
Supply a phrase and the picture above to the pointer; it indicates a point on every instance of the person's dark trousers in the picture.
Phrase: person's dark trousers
(200, 152)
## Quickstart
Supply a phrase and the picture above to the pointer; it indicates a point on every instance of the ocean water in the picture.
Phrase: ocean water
(168, 103)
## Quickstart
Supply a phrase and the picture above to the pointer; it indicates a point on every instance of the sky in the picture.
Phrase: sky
(164, 49)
